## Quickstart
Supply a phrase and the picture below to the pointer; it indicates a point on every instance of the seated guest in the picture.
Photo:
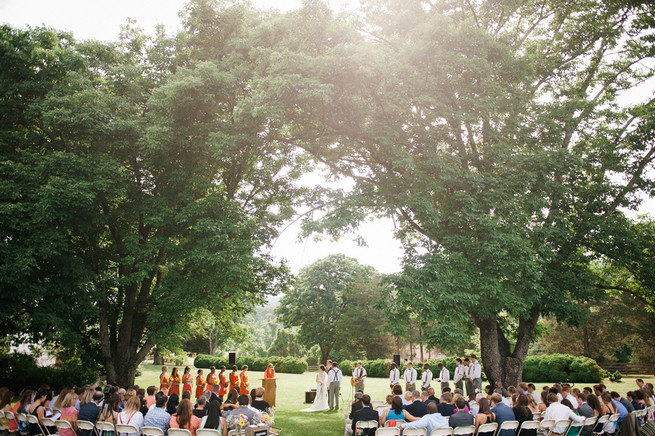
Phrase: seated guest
(462, 417)
(37, 409)
(425, 398)
(131, 414)
(444, 407)
(158, 416)
(232, 400)
(559, 411)
(252, 416)
(429, 421)
(199, 410)
(259, 402)
(566, 393)
(500, 389)
(366, 413)
(213, 419)
(485, 415)
(184, 418)
(627, 404)
(356, 405)
(69, 413)
(584, 409)
(417, 408)
(90, 411)
(473, 405)
(395, 411)
(171, 405)
(503, 413)
(523, 413)
(431, 396)
(150, 398)
(407, 398)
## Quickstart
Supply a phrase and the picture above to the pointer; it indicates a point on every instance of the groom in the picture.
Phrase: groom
(334, 385)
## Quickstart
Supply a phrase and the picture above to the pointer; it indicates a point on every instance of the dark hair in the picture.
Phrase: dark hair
(615, 394)
(366, 399)
(25, 399)
(396, 404)
(151, 390)
(160, 399)
(234, 368)
(187, 369)
(174, 373)
(582, 396)
(202, 400)
(186, 395)
(98, 396)
(484, 407)
(184, 413)
(232, 396)
(460, 402)
(397, 390)
(567, 403)
(458, 360)
(588, 390)
(213, 415)
(522, 404)
(244, 400)
(594, 403)
(173, 401)
(6, 398)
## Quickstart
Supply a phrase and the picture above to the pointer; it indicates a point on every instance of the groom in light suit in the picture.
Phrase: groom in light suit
(334, 385)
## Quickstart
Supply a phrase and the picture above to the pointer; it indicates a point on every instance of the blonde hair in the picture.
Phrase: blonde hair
(133, 404)
(70, 400)
(129, 394)
(60, 398)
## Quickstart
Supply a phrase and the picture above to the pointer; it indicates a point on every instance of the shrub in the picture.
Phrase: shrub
(282, 364)
(18, 371)
(616, 377)
(561, 368)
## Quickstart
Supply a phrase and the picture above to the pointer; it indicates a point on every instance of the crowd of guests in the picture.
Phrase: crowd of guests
(214, 407)
(422, 409)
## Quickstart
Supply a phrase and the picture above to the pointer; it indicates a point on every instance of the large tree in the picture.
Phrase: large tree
(492, 133)
(140, 184)
(320, 300)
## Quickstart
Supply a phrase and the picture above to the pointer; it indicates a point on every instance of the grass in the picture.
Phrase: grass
(291, 397)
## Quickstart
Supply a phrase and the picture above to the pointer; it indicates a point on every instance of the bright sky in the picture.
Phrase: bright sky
(102, 20)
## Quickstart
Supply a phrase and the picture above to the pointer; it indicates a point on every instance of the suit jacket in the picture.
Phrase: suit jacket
(365, 414)
(417, 409)
(460, 418)
(445, 409)
(504, 413)
(628, 405)
(88, 412)
(585, 410)
(357, 405)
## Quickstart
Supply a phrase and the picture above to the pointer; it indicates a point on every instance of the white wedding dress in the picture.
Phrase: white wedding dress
(320, 402)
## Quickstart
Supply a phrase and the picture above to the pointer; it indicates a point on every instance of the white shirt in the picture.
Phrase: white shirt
(476, 370)
(394, 376)
(360, 372)
(334, 374)
(426, 378)
(410, 375)
(459, 373)
(558, 411)
(573, 401)
(537, 397)
(444, 375)
(135, 419)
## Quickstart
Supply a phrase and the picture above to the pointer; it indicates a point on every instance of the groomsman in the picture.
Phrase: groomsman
(426, 378)
(410, 377)
(334, 385)
(470, 389)
(394, 375)
(444, 376)
(475, 373)
(459, 373)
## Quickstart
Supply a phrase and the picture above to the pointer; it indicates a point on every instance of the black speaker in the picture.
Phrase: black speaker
(396, 359)
(233, 359)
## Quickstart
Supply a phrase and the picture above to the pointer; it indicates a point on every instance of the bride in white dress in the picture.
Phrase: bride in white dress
(320, 402)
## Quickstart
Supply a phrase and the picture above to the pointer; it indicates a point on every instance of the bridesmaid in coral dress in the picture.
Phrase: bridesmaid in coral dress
(200, 384)
(222, 383)
(163, 379)
(174, 380)
(211, 379)
(244, 381)
(234, 378)
(187, 381)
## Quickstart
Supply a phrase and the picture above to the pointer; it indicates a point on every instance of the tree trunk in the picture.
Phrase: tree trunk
(157, 358)
(325, 352)
(501, 362)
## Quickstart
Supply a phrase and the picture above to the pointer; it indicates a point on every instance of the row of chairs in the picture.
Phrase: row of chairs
(548, 425)
(98, 428)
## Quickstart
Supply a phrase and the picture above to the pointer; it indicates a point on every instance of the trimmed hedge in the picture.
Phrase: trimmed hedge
(561, 368)
(289, 365)
(18, 371)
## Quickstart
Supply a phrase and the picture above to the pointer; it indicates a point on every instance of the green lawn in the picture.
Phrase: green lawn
(291, 396)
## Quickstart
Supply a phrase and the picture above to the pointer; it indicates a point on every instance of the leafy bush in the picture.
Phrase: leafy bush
(560, 368)
(18, 371)
(616, 377)
(290, 365)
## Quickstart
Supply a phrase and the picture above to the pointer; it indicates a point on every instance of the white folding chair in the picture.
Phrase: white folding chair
(361, 425)
(48, 423)
(484, 428)
(104, 426)
(528, 425)
(127, 428)
(415, 431)
(387, 431)
(377, 403)
(562, 423)
(444, 431)
(398, 422)
(2, 419)
(86, 425)
(156, 431)
(600, 423)
(547, 424)
(178, 432)
(464, 429)
(63, 424)
(536, 416)
(31, 419)
(22, 418)
(205, 432)
(508, 425)
(11, 417)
